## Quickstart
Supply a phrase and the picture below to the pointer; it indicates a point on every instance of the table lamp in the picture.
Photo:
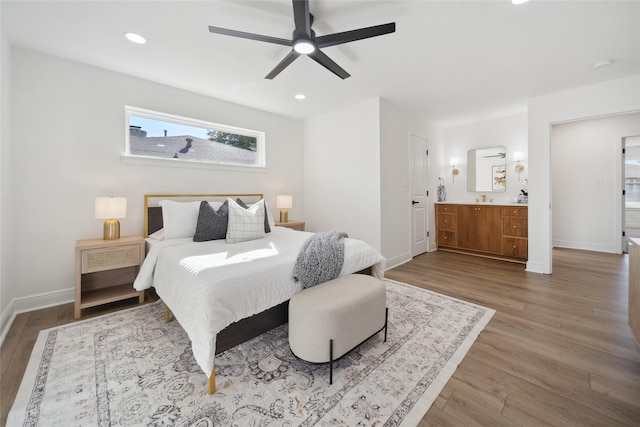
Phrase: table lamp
(284, 202)
(111, 209)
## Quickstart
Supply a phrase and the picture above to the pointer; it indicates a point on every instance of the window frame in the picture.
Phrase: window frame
(129, 158)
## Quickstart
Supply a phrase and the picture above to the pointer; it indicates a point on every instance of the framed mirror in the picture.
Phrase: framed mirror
(487, 170)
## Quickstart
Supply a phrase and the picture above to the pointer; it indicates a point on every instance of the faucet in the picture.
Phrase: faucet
(484, 198)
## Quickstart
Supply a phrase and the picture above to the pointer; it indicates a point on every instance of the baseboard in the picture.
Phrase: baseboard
(587, 246)
(6, 320)
(30, 303)
(396, 261)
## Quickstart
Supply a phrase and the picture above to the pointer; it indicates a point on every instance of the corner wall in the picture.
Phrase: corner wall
(6, 234)
(342, 172)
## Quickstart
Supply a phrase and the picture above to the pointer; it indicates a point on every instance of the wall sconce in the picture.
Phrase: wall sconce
(110, 209)
(284, 202)
(454, 170)
(518, 156)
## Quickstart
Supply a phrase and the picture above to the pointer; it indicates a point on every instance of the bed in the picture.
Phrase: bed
(225, 293)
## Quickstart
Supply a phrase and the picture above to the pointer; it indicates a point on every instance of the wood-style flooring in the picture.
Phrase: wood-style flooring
(557, 352)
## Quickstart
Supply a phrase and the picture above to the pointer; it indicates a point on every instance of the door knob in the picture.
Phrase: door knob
(413, 202)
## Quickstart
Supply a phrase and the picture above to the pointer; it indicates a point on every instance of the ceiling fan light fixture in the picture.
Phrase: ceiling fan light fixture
(303, 46)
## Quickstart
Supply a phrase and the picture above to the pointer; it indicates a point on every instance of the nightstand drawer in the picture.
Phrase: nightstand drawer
(110, 258)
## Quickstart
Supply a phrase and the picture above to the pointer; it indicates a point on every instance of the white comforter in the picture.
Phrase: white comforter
(209, 285)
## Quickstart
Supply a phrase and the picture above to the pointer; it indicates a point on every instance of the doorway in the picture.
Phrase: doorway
(631, 194)
(419, 196)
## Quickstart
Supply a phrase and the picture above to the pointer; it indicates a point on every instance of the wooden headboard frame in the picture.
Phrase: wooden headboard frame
(153, 211)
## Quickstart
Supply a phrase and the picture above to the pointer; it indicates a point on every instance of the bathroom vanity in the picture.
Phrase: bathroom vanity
(483, 229)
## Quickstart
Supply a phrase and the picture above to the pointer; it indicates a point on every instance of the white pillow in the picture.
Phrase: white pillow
(158, 235)
(179, 219)
(245, 224)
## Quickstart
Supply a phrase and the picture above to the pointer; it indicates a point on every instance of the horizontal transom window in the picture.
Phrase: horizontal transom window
(156, 135)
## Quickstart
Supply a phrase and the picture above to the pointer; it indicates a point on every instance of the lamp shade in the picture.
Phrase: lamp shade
(111, 207)
(518, 156)
(284, 201)
(453, 161)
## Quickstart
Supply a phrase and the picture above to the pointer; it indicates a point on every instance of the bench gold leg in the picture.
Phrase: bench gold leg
(212, 380)
(167, 314)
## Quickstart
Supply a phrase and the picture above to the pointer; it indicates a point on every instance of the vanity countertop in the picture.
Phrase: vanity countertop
(472, 202)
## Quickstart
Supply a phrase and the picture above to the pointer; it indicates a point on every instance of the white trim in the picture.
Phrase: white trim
(6, 320)
(587, 246)
(31, 303)
(188, 121)
(397, 260)
(130, 159)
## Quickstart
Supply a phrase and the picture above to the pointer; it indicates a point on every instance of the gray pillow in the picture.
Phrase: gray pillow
(211, 225)
(242, 204)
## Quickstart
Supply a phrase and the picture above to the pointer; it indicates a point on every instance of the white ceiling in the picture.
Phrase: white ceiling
(448, 61)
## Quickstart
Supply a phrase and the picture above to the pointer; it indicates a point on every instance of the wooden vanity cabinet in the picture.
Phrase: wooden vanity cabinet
(486, 230)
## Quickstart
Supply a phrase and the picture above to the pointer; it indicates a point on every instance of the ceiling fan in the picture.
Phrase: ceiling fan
(305, 42)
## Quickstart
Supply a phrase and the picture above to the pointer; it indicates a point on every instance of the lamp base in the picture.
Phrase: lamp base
(111, 229)
(284, 215)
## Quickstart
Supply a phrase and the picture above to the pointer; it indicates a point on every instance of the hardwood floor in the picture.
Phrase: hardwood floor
(557, 352)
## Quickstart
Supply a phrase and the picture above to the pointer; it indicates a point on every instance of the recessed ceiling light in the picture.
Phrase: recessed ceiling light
(519, 1)
(300, 96)
(135, 38)
(602, 63)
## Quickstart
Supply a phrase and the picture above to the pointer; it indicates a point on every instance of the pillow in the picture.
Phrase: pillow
(245, 224)
(211, 225)
(158, 235)
(179, 219)
(267, 227)
(270, 221)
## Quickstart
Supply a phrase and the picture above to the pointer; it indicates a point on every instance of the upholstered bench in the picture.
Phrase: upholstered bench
(328, 320)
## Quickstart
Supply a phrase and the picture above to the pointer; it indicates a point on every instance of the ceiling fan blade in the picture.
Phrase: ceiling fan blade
(302, 17)
(251, 36)
(283, 64)
(328, 63)
(353, 35)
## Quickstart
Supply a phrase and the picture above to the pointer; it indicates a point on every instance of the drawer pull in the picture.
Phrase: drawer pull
(446, 238)
(445, 221)
(515, 226)
(514, 246)
(515, 212)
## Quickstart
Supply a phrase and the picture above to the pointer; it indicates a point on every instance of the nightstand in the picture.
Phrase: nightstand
(292, 224)
(105, 271)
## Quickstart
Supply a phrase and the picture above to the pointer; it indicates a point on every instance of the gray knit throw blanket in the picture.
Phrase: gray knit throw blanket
(320, 258)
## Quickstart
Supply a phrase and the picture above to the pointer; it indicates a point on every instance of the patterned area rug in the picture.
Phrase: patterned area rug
(131, 368)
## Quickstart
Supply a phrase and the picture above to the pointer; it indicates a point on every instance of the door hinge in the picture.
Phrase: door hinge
(624, 234)
(427, 193)
(624, 151)
(427, 152)
(624, 192)
(427, 234)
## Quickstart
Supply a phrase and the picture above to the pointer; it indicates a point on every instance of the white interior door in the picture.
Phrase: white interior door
(419, 207)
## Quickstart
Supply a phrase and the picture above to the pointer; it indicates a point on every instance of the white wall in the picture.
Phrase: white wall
(67, 135)
(396, 126)
(342, 172)
(586, 165)
(509, 132)
(612, 97)
(6, 292)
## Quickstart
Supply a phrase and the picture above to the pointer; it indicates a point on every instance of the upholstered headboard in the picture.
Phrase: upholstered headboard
(153, 211)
